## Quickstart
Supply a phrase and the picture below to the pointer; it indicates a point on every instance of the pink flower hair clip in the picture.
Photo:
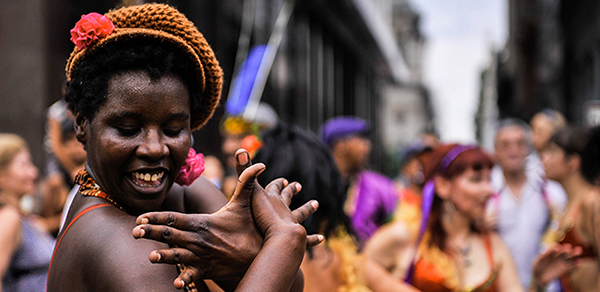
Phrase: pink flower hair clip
(191, 169)
(91, 28)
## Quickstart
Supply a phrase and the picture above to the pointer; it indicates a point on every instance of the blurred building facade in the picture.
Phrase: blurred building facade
(407, 110)
(23, 90)
(337, 57)
(551, 60)
(581, 29)
(487, 112)
(530, 72)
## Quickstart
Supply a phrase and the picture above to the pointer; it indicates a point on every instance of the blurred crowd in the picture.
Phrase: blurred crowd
(453, 217)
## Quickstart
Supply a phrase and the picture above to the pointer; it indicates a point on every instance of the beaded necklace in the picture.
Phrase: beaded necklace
(88, 187)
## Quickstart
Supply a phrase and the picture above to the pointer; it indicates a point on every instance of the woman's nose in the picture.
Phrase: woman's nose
(488, 189)
(153, 146)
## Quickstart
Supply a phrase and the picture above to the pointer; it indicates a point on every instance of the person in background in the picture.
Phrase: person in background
(563, 161)
(26, 246)
(430, 139)
(543, 125)
(214, 170)
(452, 251)
(336, 265)
(239, 132)
(371, 197)
(383, 247)
(65, 156)
(411, 179)
(524, 203)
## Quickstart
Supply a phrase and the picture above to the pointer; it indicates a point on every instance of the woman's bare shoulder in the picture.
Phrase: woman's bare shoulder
(10, 228)
(101, 248)
(591, 202)
(499, 248)
(394, 235)
(9, 215)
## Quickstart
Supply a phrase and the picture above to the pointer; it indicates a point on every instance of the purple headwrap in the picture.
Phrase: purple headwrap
(429, 194)
(341, 127)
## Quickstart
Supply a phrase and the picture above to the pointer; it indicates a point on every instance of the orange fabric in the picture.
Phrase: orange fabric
(572, 238)
(409, 197)
(427, 276)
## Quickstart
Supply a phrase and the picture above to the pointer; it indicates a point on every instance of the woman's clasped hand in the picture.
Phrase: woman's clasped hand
(224, 244)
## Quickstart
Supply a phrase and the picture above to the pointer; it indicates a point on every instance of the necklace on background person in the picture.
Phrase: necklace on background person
(465, 252)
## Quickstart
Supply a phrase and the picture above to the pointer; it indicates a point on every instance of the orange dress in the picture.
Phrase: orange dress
(428, 277)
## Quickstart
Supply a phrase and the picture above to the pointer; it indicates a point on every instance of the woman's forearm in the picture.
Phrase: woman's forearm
(276, 265)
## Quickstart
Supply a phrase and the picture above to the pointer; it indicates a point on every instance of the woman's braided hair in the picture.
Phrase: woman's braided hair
(140, 33)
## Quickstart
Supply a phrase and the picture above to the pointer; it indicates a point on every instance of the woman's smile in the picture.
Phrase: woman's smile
(147, 179)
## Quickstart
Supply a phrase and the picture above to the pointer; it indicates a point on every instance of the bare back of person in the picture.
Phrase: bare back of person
(321, 270)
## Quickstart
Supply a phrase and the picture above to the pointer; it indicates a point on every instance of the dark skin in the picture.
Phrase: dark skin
(184, 232)
(143, 128)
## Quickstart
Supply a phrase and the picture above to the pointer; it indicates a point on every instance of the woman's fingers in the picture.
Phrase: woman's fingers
(170, 235)
(245, 185)
(277, 185)
(175, 255)
(286, 190)
(290, 191)
(302, 212)
(242, 160)
(187, 276)
(174, 219)
(314, 239)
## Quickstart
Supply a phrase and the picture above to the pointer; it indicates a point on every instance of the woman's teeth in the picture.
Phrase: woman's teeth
(147, 177)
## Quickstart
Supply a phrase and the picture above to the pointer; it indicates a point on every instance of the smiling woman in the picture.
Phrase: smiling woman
(140, 80)
(454, 252)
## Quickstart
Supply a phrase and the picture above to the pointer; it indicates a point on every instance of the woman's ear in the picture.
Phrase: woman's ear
(574, 162)
(81, 128)
(442, 187)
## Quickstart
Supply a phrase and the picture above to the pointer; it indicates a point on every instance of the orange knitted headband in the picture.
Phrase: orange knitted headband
(153, 21)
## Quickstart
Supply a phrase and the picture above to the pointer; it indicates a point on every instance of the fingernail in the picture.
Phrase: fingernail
(181, 283)
(285, 182)
(243, 158)
(260, 171)
(314, 204)
(142, 232)
(144, 220)
(298, 187)
(320, 237)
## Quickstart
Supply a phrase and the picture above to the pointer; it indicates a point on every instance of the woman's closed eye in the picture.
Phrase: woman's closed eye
(173, 131)
(128, 130)
(476, 178)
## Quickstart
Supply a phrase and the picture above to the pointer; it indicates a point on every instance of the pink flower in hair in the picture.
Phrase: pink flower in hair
(191, 169)
(90, 28)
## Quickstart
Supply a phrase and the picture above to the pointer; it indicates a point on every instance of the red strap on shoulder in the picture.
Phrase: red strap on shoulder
(90, 208)
(489, 250)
